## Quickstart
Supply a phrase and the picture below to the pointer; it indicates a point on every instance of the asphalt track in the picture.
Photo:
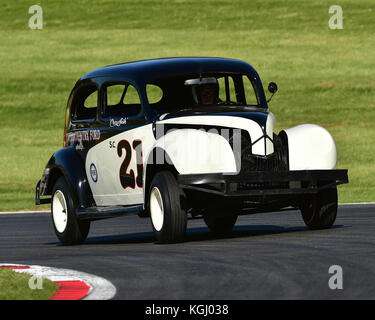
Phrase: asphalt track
(267, 256)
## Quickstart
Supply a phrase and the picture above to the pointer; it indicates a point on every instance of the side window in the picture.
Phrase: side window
(131, 97)
(114, 94)
(154, 93)
(121, 100)
(85, 103)
(250, 96)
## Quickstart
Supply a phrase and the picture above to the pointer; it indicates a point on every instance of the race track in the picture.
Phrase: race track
(267, 256)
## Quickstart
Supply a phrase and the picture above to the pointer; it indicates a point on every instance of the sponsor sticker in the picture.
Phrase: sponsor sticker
(93, 172)
(117, 123)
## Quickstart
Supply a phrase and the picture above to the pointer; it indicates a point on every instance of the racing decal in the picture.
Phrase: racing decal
(79, 137)
(128, 179)
(137, 146)
(117, 123)
(94, 173)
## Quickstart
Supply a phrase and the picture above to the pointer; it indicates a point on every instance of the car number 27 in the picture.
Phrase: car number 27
(128, 179)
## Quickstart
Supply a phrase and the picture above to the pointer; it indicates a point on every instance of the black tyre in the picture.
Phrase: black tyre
(69, 230)
(220, 222)
(168, 217)
(319, 211)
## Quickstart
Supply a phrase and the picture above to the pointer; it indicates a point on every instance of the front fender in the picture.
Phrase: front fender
(69, 163)
(310, 147)
(196, 151)
(189, 151)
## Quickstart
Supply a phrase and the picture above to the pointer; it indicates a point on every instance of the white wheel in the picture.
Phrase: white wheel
(156, 209)
(69, 230)
(59, 211)
(168, 217)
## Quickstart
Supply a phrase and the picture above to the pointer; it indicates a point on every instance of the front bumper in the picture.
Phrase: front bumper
(261, 183)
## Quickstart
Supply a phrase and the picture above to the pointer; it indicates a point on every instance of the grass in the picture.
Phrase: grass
(324, 76)
(15, 286)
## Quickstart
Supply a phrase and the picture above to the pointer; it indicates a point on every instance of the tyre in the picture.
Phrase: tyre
(168, 217)
(319, 211)
(220, 223)
(69, 230)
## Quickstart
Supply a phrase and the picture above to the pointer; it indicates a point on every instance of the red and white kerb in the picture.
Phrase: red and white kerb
(73, 285)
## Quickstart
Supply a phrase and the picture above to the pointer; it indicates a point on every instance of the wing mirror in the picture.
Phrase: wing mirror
(272, 87)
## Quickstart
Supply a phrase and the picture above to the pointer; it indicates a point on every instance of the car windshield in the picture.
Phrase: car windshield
(199, 91)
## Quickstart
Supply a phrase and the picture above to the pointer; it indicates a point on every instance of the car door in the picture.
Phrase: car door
(114, 166)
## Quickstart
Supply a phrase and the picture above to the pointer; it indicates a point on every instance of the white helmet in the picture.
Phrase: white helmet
(197, 85)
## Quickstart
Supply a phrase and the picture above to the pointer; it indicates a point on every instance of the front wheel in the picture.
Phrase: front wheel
(69, 230)
(319, 211)
(168, 217)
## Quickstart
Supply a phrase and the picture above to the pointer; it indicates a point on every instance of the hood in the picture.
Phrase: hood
(258, 124)
(257, 114)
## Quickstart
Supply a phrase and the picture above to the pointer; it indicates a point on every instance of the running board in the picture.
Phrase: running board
(96, 213)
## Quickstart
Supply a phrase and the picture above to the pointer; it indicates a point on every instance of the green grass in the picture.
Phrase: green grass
(324, 76)
(15, 286)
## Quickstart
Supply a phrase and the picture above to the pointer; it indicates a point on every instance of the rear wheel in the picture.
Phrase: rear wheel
(69, 230)
(219, 222)
(319, 211)
(168, 217)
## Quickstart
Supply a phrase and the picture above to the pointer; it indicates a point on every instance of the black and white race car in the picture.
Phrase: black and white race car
(176, 138)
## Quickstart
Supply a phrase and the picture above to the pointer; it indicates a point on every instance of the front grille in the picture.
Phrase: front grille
(274, 162)
(258, 163)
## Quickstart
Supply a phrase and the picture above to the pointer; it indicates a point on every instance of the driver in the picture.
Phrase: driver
(205, 91)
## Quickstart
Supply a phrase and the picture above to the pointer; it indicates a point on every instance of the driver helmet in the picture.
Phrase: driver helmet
(204, 90)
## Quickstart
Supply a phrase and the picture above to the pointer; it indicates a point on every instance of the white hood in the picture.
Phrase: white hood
(263, 146)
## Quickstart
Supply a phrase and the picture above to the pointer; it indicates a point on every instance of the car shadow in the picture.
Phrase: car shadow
(202, 234)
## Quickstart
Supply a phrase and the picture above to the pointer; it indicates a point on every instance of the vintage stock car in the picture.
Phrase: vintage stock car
(179, 138)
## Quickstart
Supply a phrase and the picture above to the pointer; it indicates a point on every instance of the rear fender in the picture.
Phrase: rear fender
(68, 163)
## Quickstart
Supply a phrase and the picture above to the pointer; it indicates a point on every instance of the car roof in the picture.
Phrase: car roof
(148, 70)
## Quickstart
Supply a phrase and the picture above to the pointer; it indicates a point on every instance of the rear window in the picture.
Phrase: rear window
(85, 103)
